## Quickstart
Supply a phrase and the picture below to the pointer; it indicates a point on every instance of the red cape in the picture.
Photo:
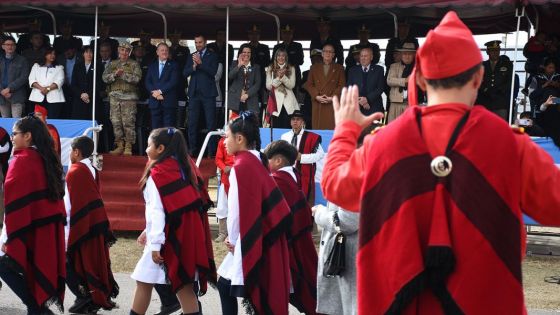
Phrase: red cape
(56, 138)
(428, 245)
(34, 225)
(264, 218)
(309, 143)
(90, 237)
(303, 255)
(184, 251)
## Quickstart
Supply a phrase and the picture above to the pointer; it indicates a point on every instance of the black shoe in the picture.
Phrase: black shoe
(169, 309)
(80, 305)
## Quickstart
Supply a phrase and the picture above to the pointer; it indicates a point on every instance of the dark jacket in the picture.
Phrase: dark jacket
(494, 93)
(82, 82)
(371, 88)
(202, 83)
(167, 83)
(236, 82)
(18, 74)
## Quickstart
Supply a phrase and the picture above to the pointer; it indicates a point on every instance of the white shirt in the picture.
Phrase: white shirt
(46, 76)
(67, 201)
(308, 158)
(232, 266)
(155, 216)
(289, 170)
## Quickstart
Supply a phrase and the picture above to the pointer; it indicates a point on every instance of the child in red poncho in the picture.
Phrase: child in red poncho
(33, 236)
(176, 249)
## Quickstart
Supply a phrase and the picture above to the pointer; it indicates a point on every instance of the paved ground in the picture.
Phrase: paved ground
(11, 305)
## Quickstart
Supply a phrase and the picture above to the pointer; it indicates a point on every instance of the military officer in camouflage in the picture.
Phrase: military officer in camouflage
(122, 77)
(494, 93)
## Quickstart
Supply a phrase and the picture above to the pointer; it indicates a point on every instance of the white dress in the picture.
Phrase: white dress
(146, 270)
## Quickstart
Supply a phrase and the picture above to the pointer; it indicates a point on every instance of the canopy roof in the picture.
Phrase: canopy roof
(206, 16)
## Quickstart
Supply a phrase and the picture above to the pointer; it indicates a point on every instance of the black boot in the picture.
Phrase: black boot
(79, 306)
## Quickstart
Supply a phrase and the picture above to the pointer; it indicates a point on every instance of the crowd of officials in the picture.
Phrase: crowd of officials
(141, 86)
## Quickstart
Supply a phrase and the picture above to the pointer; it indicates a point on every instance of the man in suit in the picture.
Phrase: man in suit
(371, 82)
(202, 68)
(14, 72)
(244, 82)
(68, 59)
(325, 38)
(161, 82)
(103, 114)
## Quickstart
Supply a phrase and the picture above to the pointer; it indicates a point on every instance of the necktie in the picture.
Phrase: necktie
(365, 69)
(161, 64)
(294, 140)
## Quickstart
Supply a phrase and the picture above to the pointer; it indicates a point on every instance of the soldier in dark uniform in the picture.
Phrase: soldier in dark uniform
(397, 42)
(363, 35)
(24, 40)
(66, 39)
(260, 56)
(316, 57)
(294, 49)
(354, 53)
(180, 54)
(104, 30)
(494, 93)
(324, 37)
(146, 40)
(142, 112)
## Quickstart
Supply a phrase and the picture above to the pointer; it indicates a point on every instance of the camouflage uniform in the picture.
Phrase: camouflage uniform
(123, 94)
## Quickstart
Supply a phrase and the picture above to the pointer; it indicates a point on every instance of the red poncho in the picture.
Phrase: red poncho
(35, 229)
(309, 143)
(303, 255)
(429, 245)
(90, 237)
(185, 249)
(264, 218)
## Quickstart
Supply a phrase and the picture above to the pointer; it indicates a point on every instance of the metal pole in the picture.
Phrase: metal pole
(395, 22)
(162, 16)
(46, 11)
(95, 138)
(226, 116)
(518, 15)
(276, 18)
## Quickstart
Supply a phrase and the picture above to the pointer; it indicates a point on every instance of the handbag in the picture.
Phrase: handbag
(336, 261)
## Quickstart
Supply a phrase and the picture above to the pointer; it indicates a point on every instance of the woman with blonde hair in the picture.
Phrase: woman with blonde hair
(280, 81)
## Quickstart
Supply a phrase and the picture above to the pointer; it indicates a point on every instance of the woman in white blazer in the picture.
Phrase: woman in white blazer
(46, 81)
(281, 76)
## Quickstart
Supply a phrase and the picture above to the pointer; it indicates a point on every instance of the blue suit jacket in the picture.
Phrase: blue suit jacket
(202, 83)
(373, 90)
(167, 83)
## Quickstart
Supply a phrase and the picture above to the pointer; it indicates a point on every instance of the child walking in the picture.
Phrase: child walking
(224, 162)
(89, 235)
(303, 255)
(176, 249)
(257, 265)
(33, 265)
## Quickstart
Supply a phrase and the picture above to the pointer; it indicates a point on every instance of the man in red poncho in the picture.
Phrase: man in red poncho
(441, 227)
(303, 255)
(41, 113)
(89, 235)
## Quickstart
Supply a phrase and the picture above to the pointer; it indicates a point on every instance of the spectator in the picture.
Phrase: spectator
(244, 82)
(549, 119)
(24, 40)
(260, 55)
(179, 54)
(46, 79)
(325, 38)
(306, 109)
(397, 42)
(36, 52)
(535, 52)
(494, 93)
(14, 70)
(68, 60)
(363, 35)
(397, 79)
(104, 31)
(545, 84)
(337, 295)
(294, 49)
(102, 109)
(122, 77)
(61, 43)
(281, 77)
(355, 53)
(146, 42)
(370, 81)
(201, 68)
(142, 110)
(161, 82)
(527, 121)
(82, 86)
(325, 81)
(219, 48)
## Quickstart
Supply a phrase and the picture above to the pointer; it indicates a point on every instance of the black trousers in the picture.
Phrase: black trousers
(282, 121)
(228, 296)
(17, 284)
(166, 295)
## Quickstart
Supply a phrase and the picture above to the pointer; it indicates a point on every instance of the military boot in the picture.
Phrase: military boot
(128, 149)
(119, 148)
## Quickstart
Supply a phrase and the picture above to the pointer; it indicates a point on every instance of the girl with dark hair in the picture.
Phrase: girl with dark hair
(46, 79)
(280, 81)
(258, 220)
(33, 265)
(176, 249)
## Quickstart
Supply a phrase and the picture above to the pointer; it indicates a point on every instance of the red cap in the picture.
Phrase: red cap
(449, 50)
(41, 109)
